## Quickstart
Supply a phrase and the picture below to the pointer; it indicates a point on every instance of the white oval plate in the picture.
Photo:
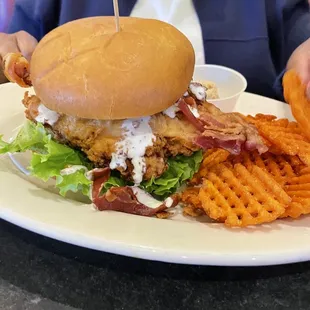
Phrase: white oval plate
(36, 207)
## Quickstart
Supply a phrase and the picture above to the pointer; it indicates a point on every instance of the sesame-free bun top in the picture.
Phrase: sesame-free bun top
(86, 69)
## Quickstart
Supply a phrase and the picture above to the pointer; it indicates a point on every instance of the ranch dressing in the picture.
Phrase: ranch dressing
(72, 169)
(146, 199)
(168, 202)
(46, 115)
(198, 90)
(171, 111)
(137, 137)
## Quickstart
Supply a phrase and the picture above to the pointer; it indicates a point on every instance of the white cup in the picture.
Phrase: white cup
(230, 83)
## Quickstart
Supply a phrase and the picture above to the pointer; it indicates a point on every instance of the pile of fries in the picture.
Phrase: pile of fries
(251, 188)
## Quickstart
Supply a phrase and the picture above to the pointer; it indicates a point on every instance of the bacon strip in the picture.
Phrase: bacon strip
(236, 136)
(16, 69)
(233, 145)
(99, 177)
(228, 131)
(121, 199)
(190, 116)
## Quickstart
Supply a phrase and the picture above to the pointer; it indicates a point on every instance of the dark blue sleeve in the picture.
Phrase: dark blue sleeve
(296, 25)
(36, 17)
(277, 86)
(296, 28)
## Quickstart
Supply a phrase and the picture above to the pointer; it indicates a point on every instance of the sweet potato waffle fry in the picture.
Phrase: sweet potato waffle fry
(298, 188)
(192, 202)
(241, 196)
(290, 173)
(276, 165)
(295, 95)
(227, 193)
(284, 137)
(211, 158)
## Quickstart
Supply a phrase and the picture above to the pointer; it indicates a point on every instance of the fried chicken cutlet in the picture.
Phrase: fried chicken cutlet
(98, 138)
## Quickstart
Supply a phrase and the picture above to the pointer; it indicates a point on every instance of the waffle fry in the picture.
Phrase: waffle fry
(164, 215)
(287, 138)
(296, 164)
(259, 118)
(190, 199)
(191, 211)
(278, 166)
(212, 157)
(295, 95)
(242, 196)
(298, 188)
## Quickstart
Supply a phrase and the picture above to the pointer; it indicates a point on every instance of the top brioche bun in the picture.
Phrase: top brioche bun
(86, 69)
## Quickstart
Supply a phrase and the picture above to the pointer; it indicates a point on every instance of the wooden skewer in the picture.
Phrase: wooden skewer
(116, 14)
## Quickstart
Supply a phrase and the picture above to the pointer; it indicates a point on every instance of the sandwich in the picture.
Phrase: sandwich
(117, 116)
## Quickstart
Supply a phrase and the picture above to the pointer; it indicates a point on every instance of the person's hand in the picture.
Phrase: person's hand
(300, 62)
(19, 42)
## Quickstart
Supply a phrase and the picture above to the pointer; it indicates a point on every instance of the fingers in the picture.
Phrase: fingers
(300, 62)
(303, 75)
(26, 43)
(303, 70)
(8, 44)
(20, 41)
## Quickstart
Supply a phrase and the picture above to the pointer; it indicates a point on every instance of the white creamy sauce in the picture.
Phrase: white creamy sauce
(90, 174)
(149, 201)
(137, 137)
(73, 169)
(145, 198)
(198, 91)
(171, 111)
(46, 115)
(194, 111)
(168, 202)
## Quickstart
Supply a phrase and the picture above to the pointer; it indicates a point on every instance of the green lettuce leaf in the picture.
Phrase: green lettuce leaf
(115, 180)
(49, 158)
(30, 137)
(74, 182)
(180, 169)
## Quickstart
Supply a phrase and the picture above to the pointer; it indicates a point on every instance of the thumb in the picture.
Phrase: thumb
(26, 43)
(303, 71)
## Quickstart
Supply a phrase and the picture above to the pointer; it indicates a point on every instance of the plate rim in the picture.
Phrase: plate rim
(237, 260)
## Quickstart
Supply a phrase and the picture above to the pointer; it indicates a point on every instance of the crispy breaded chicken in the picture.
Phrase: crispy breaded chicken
(98, 138)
